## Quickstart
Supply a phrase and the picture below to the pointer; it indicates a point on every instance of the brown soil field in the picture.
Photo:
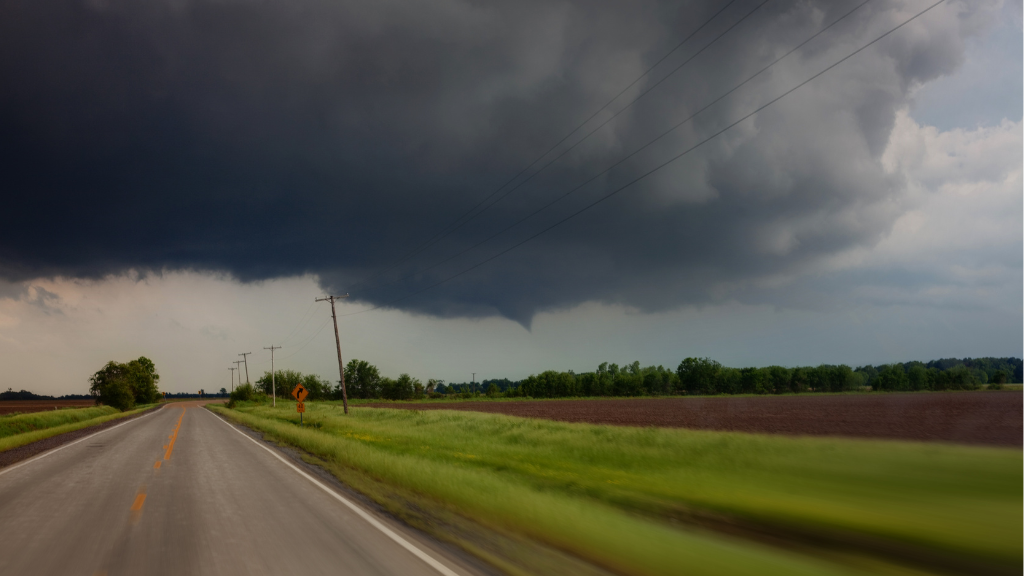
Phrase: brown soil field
(993, 418)
(10, 406)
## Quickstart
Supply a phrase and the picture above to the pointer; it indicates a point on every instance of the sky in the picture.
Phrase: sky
(505, 188)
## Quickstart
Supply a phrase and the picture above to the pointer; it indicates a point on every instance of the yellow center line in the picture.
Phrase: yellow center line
(174, 437)
(140, 499)
(157, 465)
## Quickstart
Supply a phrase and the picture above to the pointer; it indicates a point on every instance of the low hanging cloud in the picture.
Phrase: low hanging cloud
(279, 139)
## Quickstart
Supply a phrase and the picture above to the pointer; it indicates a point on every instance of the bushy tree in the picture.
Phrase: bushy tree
(698, 375)
(756, 381)
(242, 393)
(960, 378)
(286, 380)
(798, 380)
(125, 385)
(550, 384)
(362, 379)
(728, 381)
(779, 379)
(892, 378)
(918, 378)
(402, 388)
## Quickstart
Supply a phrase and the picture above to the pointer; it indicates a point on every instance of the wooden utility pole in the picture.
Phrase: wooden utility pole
(243, 355)
(273, 383)
(239, 368)
(232, 378)
(337, 340)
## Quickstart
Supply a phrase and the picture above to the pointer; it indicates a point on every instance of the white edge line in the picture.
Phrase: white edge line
(69, 444)
(364, 515)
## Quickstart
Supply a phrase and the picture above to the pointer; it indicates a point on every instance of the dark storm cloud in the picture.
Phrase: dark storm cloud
(273, 138)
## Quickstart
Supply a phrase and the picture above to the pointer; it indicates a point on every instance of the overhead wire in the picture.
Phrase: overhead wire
(309, 340)
(632, 154)
(458, 223)
(656, 168)
(306, 317)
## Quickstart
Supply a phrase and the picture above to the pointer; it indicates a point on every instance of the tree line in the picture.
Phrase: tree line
(693, 376)
(362, 381)
(10, 394)
(704, 376)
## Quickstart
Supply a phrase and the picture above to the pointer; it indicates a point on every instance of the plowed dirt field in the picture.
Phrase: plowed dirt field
(10, 406)
(993, 418)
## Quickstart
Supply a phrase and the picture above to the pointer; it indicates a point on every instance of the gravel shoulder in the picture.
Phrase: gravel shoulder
(982, 417)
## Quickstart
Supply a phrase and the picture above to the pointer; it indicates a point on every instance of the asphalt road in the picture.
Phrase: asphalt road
(151, 496)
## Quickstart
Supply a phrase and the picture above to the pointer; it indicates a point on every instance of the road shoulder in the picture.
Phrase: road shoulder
(26, 451)
(457, 540)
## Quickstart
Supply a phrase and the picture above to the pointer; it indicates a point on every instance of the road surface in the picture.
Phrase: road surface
(180, 491)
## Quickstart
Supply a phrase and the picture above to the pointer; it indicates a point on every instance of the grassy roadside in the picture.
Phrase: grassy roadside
(622, 498)
(23, 429)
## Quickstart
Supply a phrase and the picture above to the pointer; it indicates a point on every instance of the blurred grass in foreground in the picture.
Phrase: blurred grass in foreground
(621, 497)
(21, 429)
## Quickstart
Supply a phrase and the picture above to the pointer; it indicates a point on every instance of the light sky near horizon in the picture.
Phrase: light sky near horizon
(944, 280)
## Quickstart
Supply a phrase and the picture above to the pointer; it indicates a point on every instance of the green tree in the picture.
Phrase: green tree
(917, 378)
(143, 379)
(756, 381)
(961, 378)
(798, 380)
(779, 378)
(402, 388)
(319, 388)
(282, 384)
(892, 378)
(362, 380)
(125, 385)
(728, 381)
(110, 386)
(698, 375)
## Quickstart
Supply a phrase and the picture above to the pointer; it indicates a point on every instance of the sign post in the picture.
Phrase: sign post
(300, 393)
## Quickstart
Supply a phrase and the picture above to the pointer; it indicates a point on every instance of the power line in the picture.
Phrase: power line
(458, 223)
(632, 154)
(273, 381)
(306, 317)
(245, 361)
(310, 339)
(337, 339)
(659, 167)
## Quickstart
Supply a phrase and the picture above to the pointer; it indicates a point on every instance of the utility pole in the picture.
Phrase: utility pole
(472, 385)
(337, 340)
(239, 368)
(232, 378)
(273, 383)
(243, 355)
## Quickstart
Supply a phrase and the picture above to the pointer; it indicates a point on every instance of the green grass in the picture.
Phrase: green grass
(607, 493)
(20, 429)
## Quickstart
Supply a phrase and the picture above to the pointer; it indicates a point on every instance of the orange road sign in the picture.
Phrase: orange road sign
(300, 407)
(300, 392)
